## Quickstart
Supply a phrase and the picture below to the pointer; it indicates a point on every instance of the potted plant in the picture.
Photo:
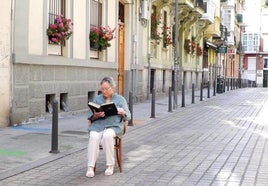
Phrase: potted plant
(94, 38)
(60, 31)
(100, 37)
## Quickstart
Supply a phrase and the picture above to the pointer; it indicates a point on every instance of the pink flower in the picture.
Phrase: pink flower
(101, 35)
(54, 39)
(53, 26)
(61, 25)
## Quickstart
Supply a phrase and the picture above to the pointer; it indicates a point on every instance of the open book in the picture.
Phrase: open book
(109, 108)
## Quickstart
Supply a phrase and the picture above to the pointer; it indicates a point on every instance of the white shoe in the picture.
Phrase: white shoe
(90, 172)
(109, 171)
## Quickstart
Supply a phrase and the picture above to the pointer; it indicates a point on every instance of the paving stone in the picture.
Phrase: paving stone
(219, 141)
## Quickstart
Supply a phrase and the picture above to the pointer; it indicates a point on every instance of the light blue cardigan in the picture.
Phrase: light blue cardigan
(115, 122)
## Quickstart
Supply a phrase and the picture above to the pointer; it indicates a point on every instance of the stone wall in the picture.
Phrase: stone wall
(36, 85)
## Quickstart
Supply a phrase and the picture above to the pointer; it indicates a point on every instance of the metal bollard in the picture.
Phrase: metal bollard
(130, 122)
(153, 104)
(214, 88)
(201, 92)
(182, 96)
(54, 135)
(193, 93)
(208, 93)
(169, 99)
(228, 83)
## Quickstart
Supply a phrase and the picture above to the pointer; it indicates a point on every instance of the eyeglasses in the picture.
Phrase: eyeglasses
(105, 89)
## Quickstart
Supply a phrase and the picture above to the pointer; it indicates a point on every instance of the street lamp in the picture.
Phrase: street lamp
(176, 56)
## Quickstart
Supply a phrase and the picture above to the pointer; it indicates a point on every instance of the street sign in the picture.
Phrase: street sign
(231, 51)
(222, 49)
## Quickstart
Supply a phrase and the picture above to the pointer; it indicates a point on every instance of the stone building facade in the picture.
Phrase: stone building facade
(34, 72)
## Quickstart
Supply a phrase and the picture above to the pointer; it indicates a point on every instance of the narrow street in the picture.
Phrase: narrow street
(218, 141)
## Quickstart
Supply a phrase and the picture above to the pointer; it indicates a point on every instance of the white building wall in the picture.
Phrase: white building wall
(36, 32)
(38, 75)
(80, 30)
(5, 61)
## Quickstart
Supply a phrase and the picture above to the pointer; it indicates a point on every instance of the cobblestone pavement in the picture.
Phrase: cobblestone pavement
(218, 141)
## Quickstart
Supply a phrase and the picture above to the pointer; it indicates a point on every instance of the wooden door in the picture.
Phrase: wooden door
(121, 59)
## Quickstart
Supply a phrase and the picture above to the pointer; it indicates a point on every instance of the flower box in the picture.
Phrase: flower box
(60, 31)
(100, 37)
(94, 46)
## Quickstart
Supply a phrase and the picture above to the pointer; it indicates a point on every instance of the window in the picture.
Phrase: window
(56, 7)
(95, 13)
(265, 63)
(64, 102)
(95, 21)
(154, 23)
(251, 42)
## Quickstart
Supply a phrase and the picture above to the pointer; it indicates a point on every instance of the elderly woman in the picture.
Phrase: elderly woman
(102, 130)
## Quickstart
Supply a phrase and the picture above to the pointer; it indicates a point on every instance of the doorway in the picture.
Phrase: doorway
(265, 78)
(121, 52)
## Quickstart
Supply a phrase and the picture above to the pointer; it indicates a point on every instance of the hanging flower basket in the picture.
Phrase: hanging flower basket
(60, 30)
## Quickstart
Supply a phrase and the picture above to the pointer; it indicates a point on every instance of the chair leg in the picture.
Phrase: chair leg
(119, 156)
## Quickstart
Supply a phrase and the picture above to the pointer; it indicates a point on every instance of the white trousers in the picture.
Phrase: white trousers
(106, 139)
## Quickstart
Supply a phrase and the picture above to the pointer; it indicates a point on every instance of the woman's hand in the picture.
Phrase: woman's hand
(122, 112)
(98, 115)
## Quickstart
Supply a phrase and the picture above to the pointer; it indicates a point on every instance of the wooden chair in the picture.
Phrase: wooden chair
(118, 146)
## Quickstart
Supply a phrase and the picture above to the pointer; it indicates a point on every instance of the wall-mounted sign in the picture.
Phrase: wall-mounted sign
(231, 51)
(222, 49)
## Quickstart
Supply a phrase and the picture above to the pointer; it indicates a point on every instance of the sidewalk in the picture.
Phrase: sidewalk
(219, 141)
(26, 146)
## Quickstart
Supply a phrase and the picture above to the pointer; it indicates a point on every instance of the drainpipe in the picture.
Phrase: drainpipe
(133, 55)
(240, 57)
(176, 57)
(149, 54)
(12, 57)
